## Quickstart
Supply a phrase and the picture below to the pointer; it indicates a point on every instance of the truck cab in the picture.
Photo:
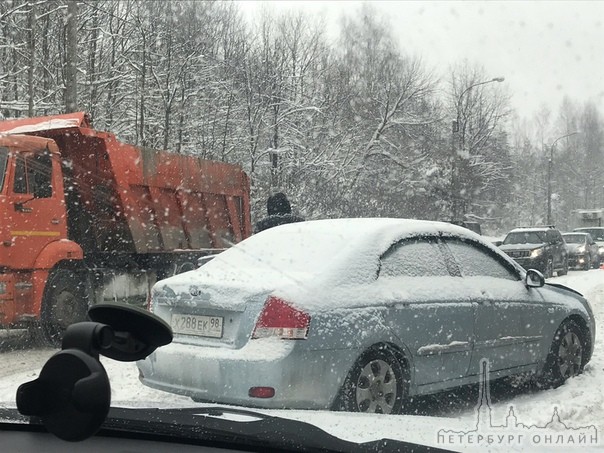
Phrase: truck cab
(33, 203)
(34, 229)
(89, 219)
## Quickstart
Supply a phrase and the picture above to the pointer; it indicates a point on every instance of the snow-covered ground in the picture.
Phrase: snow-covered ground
(579, 403)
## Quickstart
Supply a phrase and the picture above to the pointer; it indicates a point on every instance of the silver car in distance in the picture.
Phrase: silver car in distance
(359, 315)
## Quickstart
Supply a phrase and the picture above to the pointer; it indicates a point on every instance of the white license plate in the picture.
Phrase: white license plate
(203, 326)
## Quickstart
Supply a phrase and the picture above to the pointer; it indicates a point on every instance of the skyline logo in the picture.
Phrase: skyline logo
(513, 432)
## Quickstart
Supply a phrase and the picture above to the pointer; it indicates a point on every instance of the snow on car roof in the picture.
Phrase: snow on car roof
(301, 256)
(529, 229)
(372, 225)
(293, 246)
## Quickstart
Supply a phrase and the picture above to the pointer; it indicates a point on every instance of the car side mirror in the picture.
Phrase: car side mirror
(534, 279)
(20, 205)
(497, 243)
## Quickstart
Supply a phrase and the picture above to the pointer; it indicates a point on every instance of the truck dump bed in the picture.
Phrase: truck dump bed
(125, 198)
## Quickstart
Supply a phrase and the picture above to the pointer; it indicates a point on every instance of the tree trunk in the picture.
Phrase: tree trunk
(31, 23)
(71, 58)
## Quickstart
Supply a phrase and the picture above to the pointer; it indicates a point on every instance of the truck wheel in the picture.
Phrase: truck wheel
(64, 303)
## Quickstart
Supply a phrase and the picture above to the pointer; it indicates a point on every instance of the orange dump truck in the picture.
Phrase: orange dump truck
(89, 219)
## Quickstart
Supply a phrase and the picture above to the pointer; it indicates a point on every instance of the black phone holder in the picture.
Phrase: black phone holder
(72, 395)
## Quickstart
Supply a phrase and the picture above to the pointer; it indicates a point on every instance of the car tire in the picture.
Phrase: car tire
(549, 269)
(564, 270)
(378, 383)
(64, 303)
(566, 357)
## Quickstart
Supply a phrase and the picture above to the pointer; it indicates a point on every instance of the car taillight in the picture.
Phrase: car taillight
(279, 319)
(261, 392)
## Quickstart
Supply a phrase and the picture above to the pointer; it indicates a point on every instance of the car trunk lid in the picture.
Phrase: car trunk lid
(221, 312)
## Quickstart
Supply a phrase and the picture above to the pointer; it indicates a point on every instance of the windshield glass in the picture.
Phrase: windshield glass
(348, 213)
(574, 238)
(596, 233)
(525, 237)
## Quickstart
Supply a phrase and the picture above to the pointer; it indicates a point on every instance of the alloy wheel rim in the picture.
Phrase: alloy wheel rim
(376, 389)
(570, 355)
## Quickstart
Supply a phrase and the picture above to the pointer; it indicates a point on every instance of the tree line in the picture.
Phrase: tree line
(349, 125)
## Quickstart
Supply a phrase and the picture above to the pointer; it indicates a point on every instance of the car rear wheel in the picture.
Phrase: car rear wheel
(378, 383)
(566, 356)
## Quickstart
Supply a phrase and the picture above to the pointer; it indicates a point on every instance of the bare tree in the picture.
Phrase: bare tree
(386, 100)
(479, 107)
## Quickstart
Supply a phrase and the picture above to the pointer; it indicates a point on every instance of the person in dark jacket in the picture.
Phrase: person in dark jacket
(279, 212)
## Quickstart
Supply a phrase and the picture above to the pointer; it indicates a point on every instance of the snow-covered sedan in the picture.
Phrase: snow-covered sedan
(359, 314)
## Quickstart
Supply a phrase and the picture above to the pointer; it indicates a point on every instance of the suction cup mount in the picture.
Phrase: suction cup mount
(72, 395)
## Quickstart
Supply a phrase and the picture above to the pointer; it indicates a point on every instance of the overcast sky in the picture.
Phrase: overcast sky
(544, 49)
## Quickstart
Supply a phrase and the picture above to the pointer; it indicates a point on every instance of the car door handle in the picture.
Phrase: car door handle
(55, 221)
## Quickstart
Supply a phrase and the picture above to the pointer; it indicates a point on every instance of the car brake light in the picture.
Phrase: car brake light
(261, 392)
(279, 319)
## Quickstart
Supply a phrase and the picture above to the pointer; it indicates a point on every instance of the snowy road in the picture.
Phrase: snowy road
(580, 402)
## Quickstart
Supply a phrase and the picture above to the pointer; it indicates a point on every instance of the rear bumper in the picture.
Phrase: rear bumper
(302, 379)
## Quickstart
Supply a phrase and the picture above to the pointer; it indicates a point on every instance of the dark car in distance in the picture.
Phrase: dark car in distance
(582, 251)
(597, 234)
(541, 248)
